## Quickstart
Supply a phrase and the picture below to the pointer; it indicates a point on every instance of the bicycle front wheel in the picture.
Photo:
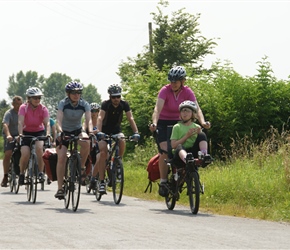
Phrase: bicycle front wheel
(66, 185)
(29, 184)
(117, 180)
(193, 191)
(34, 179)
(75, 181)
(170, 199)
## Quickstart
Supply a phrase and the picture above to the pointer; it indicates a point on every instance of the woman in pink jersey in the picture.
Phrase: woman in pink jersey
(166, 113)
(33, 119)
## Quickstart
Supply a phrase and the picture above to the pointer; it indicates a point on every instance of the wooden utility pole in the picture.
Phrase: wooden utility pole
(150, 38)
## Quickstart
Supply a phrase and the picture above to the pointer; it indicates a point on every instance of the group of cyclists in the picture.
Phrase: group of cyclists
(176, 105)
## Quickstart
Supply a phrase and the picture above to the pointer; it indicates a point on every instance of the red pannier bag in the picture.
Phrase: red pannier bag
(153, 171)
(50, 160)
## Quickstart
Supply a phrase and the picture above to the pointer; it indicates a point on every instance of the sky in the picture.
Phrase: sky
(88, 40)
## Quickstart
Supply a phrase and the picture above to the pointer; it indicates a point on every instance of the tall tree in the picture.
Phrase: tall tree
(19, 83)
(54, 91)
(90, 94)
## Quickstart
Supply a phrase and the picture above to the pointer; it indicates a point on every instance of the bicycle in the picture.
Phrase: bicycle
(73, 174)
(181, 178)
(114, 174)
(13, 174)
(31, 173)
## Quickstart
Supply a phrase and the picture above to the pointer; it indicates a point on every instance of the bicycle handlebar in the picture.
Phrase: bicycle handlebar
(34, 139)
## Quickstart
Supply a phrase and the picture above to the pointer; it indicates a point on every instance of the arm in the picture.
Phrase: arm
(190, 132)
(88, 123)
(132, 122)
(200, 117)
(20, 124)
(7, 132)
(100, 119)
(59, 117)
(46, 124)
(53, 130)
(155, 116)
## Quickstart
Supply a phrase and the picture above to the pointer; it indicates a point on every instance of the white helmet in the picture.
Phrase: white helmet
(33, 91)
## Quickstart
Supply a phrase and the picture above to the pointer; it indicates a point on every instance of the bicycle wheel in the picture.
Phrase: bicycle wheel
(170, 199)
(96, 191)
(29, 184)
(117, 180)
(76, 181)
(10, 177)
(66, 185)
(34, 178)
(193, 191)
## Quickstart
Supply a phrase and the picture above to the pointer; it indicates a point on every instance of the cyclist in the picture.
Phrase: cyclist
(109, 122)
(10, 130)
(187, 136)
(166, 112)
(69, 121)
(95, 109)
(33, 119)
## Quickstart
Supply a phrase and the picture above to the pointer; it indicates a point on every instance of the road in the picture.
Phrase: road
(133, 224)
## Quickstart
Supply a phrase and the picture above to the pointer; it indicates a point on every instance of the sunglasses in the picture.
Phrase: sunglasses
(74, 92)
(117, 96)
(36, 97)
(94, 110)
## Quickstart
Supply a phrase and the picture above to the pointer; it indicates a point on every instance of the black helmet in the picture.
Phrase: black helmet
(114, 90)
(176, 73)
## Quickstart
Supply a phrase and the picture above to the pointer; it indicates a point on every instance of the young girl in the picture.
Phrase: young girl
(187, 136)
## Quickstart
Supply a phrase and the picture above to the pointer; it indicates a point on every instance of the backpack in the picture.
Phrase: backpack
(153, 171)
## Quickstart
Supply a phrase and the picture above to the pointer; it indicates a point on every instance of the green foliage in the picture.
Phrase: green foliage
(54, 91)
(3, 108)
(90, 94)
(178, 39)
(21, 82)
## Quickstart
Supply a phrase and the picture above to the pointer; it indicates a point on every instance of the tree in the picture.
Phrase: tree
(54, 91)
(90, 94)
(21, 82)
(4, 106)
(178, 40)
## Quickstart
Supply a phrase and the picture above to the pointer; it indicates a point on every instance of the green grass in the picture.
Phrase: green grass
(254, 187)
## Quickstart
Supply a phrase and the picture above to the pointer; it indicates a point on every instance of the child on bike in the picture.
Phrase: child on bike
(187, 136)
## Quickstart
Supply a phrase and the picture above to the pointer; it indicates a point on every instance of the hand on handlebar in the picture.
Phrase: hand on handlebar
(152, 127)
(135, 137)
(101, 135)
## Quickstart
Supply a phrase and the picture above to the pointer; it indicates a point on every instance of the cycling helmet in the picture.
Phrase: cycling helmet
(73, 86)
(114, 90)
(33, 91)
(188, 104)
(176, 73)
(95, 106)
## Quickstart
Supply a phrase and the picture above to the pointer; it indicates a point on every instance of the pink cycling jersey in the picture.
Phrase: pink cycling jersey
(170, 109)
(33, 119)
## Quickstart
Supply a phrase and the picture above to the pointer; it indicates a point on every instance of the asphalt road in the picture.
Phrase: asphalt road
(133, 224)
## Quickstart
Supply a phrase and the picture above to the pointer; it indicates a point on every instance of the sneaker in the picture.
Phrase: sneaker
(41, 176)
(207, 159)
(59, 194)
(21, 179)
(102, 188)
(163, 189)
(93, 183)
(48, 181)
(4, 181)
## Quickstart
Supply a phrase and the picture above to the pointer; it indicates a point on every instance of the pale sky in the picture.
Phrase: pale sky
(89, 39)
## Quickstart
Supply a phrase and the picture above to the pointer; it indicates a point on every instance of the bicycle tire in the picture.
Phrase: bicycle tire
(170, 198)
(193, 191)
(29, 185)
(34, 178)
(10, 177)
(96, 191)
(117, 180)
(76, 181)
(66, 185)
